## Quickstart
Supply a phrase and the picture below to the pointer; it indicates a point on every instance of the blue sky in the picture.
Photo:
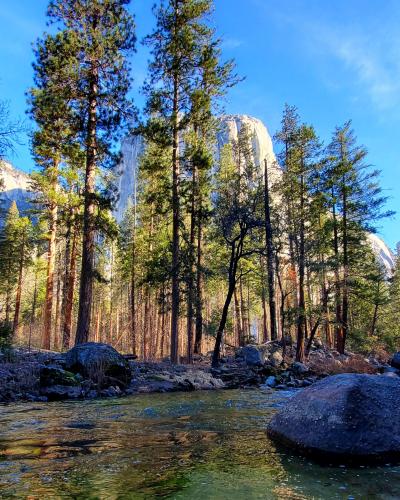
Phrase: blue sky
(333, 60)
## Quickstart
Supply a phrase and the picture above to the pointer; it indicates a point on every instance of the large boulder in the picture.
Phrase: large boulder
(101, 363)
(276, 359)
(346, 417)
(253, 355)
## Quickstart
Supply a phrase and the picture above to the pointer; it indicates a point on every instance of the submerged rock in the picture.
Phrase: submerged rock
(346, 417)
(101, 363)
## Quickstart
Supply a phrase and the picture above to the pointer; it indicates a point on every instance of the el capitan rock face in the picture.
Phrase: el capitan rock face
(16, 187)
(383, 252)
(230, 125)
(131, 149)
(347, 417)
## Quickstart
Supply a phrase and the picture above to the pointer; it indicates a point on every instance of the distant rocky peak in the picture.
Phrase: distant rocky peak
(15, 187)
(230, 125)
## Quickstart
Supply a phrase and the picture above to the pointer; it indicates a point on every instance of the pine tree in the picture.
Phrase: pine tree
(103, 33)
(15, 251)
(51, 142)
(214, 80)
(355, 201)
(299, 158)
(176, 48)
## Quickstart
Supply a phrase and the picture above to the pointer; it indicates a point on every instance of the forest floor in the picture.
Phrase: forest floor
(41, 375)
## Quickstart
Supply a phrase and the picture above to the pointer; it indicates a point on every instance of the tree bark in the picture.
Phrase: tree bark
(236, 253)
(238, 318)
(301, 319)
(199, 285)
(67, 327)
(264, 319)
(175, 229)
(133, 286)
(191, 273)
(19, 288)
(33, 309)
(345, 304)
(338, 321)
(88, 242)
(51, 259)
(56, 343)
(270, 254)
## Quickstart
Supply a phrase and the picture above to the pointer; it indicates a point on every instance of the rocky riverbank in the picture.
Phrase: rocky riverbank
(97, 370)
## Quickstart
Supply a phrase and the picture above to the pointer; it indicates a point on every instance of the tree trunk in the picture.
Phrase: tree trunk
(270, 254)
(264, 320)
(238, 319)
(236, 253)
(312, 335)
(301, 319)
(51, 259)
(221, 327)
(67, 327)
(191, 273)
(88, 242)
(133, 286)
(19, 288)
(345, 304)
(199, 285)
(374, 319)
(33, 310)
(245, 333)
(67, 261)
(175, 228)
(57, 317)
(339, 321)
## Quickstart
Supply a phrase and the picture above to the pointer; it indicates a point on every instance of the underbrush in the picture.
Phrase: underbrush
(5, 338)
(16, 378)
(329, 366)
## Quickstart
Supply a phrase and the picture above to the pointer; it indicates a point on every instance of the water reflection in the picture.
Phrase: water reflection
(185, 446)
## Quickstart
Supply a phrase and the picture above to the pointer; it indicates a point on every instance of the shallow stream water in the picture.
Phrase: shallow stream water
(200, 445)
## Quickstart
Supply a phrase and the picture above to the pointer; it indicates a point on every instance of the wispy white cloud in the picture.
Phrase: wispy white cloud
(231, 43)
(372, 63)
(359, 52)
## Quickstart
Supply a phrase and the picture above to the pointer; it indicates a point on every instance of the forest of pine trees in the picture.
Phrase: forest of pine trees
(216, 251)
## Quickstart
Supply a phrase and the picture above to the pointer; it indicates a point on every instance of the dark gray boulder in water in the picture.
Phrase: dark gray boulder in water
(347, 417)
(98, 362)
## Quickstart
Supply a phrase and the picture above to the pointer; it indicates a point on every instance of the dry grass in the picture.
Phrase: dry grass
(354, 364)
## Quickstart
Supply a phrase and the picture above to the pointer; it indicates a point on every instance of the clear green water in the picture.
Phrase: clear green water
(207, 445)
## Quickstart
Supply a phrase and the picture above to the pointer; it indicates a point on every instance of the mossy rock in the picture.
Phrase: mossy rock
(100, 363)
(53, 375)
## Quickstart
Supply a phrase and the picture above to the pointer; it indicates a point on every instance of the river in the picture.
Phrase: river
(199, 445)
